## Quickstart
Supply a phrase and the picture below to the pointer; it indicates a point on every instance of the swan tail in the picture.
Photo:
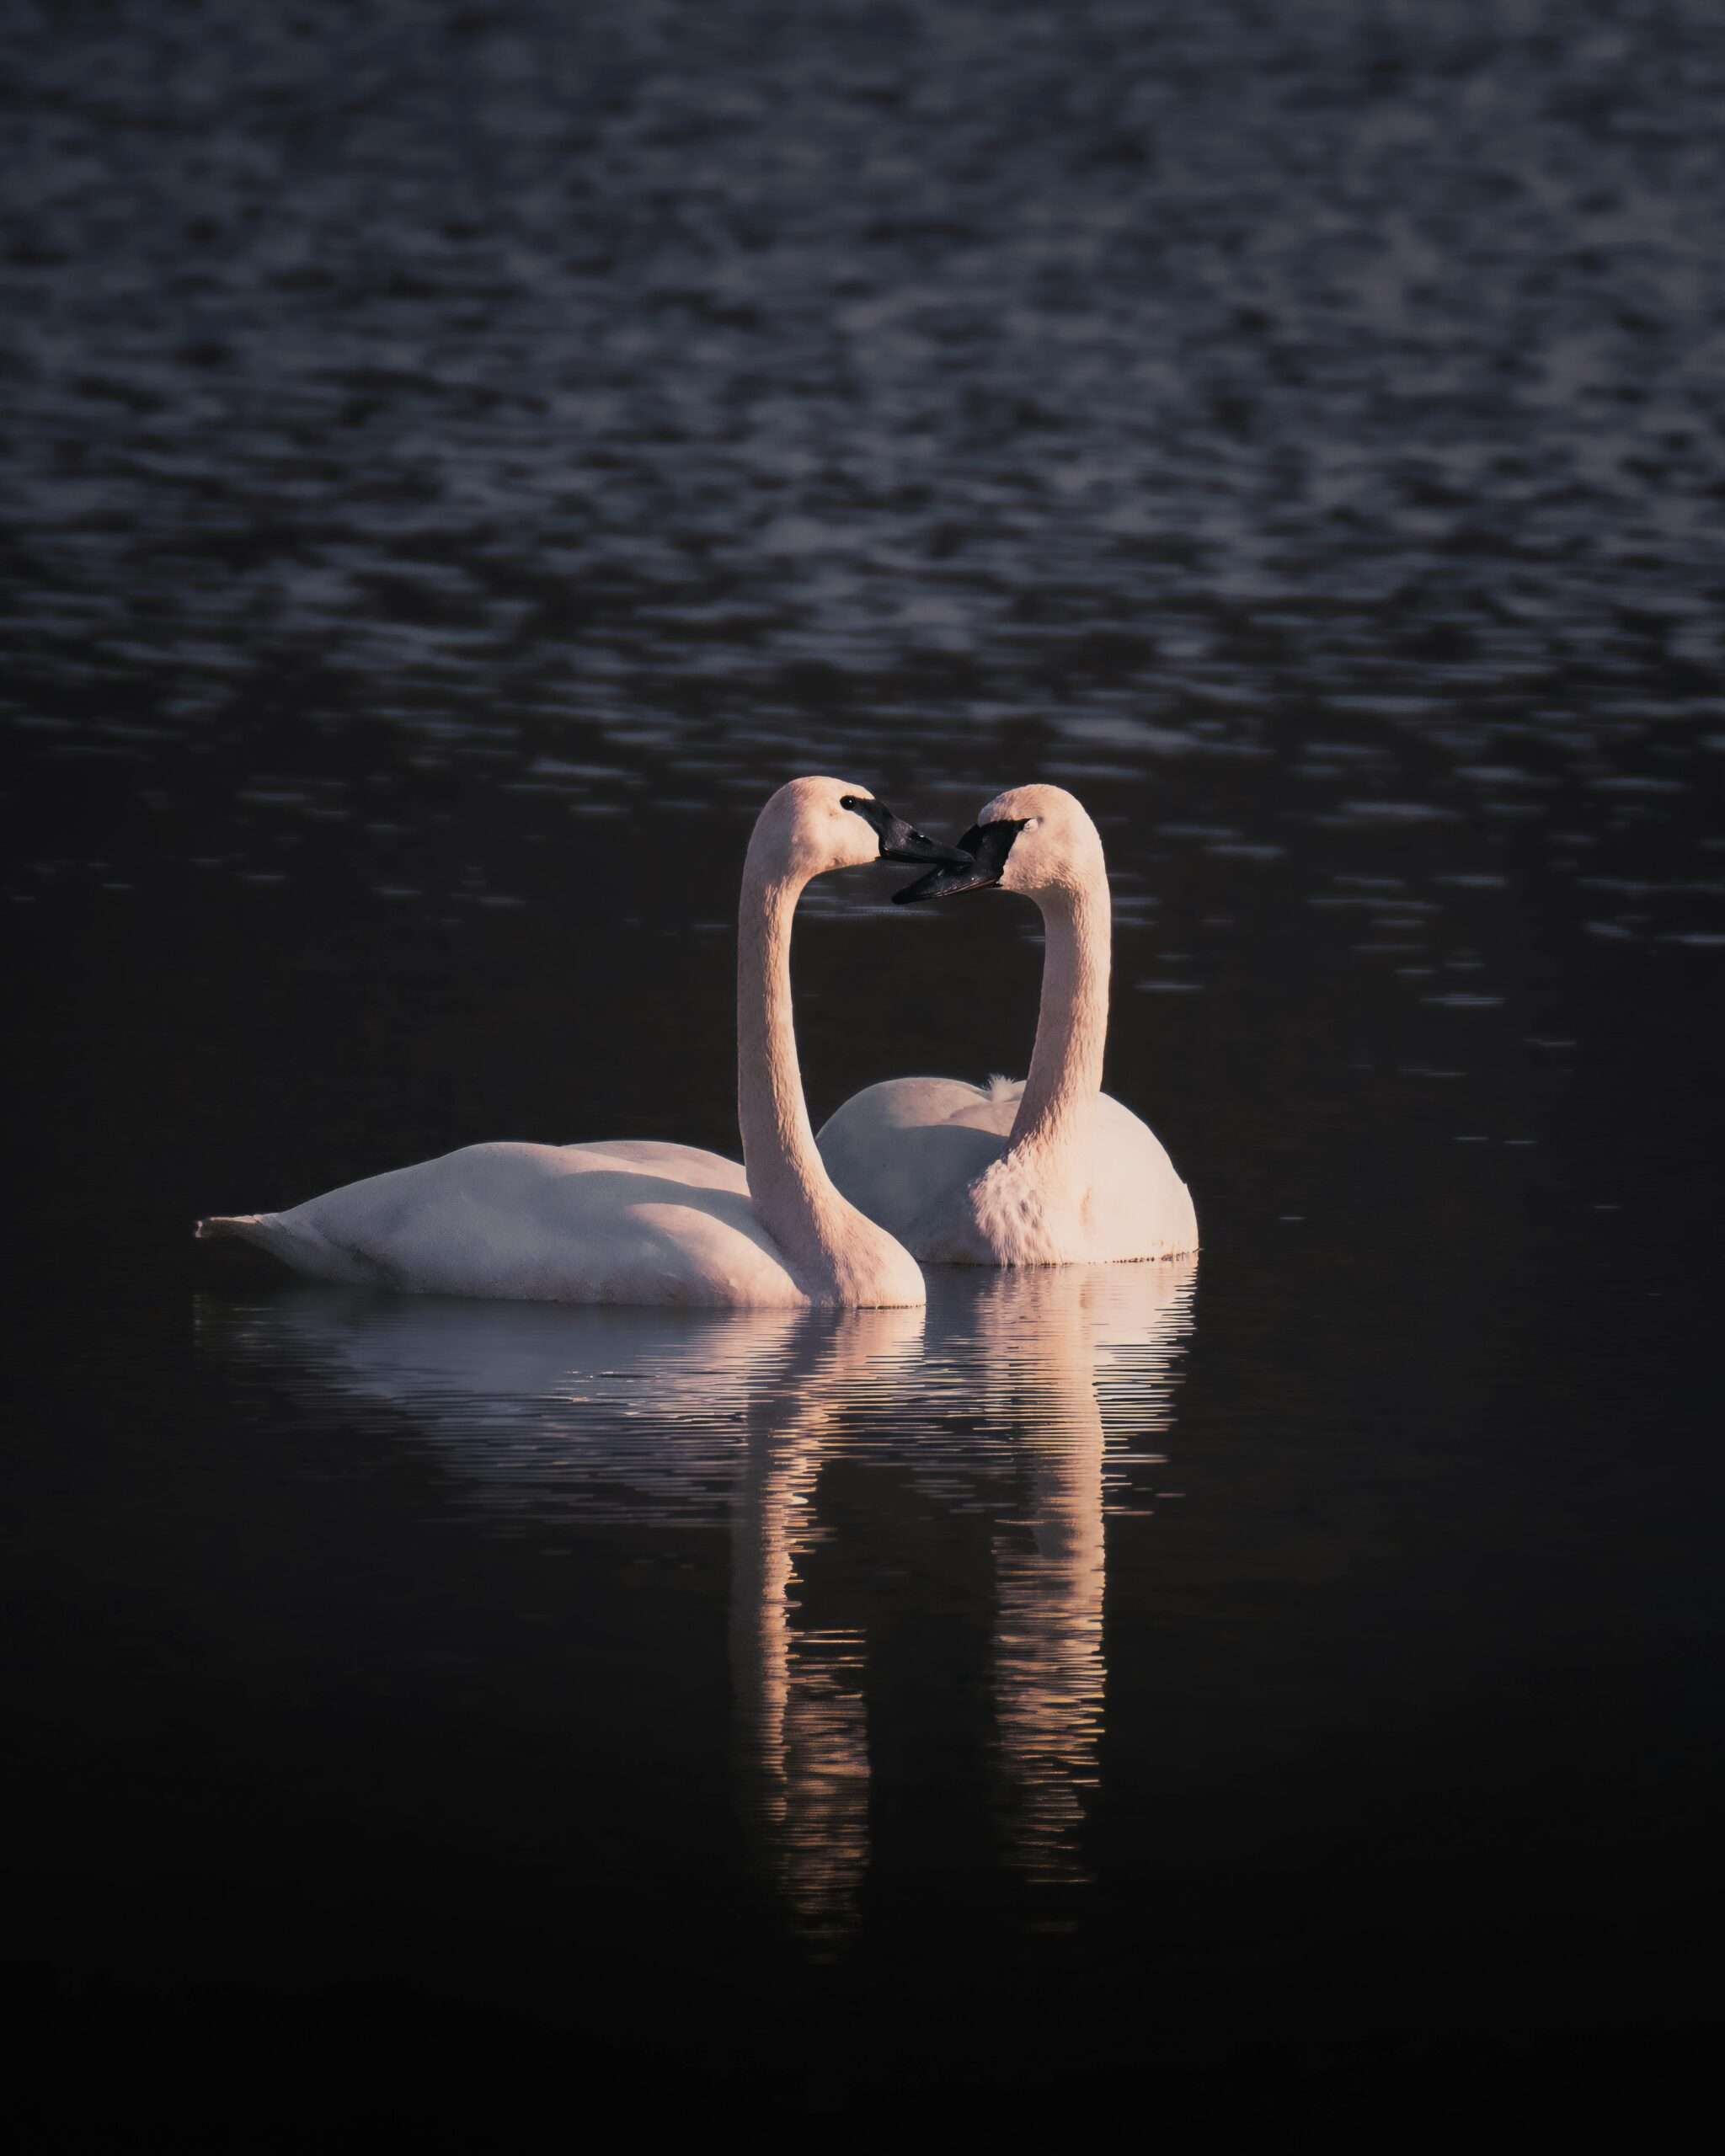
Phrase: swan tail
(239, 1227)
(291, 1243)
(1001, 1088)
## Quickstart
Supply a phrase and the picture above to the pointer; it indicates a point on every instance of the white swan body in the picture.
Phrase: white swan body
(1050, 1171)
(640, 1221)
(628, 1222)
(928, 1159)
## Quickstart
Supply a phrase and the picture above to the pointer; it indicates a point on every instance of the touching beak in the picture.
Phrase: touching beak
(983, 850)
(900, 842)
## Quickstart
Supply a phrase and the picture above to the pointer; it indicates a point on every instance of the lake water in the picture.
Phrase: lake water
(455, 462)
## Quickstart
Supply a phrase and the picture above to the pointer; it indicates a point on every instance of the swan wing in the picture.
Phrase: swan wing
(1135, 1205)
(657, 1157)
(904, 1151)
(623, 1223)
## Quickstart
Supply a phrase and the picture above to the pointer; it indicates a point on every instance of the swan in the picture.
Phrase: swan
(1049, 1172)
(638, 1221)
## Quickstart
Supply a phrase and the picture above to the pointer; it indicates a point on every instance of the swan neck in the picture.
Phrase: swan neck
(1072, 1023)
(833, 1254)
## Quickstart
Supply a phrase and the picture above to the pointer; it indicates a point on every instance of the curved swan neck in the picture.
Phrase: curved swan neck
(1072, 1021)
(834, 1253)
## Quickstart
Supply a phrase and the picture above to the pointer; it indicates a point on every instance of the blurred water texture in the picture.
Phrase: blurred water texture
(1312, 413)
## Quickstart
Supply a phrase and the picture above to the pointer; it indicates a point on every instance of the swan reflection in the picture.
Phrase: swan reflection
(1042, 1336)
(1032, 1398)
(802, 1728)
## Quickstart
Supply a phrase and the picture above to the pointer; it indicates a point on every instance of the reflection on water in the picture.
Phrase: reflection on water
(1037, 1400)
(1044, 1335)
(802, 1718)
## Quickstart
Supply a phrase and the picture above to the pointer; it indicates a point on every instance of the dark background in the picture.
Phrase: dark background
(455, 461)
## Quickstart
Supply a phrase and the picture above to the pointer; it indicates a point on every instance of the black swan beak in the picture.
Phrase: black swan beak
(983, 850)
(900, 841)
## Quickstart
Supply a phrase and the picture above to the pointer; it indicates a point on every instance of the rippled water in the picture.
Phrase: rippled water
(455, 461)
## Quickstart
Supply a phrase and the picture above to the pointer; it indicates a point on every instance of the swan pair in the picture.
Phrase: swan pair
(1051, 1172)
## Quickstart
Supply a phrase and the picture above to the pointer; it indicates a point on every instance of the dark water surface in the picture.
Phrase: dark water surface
(454, 462)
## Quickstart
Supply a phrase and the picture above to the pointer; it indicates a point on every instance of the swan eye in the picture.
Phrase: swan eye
(849, 801)
(1030, 822)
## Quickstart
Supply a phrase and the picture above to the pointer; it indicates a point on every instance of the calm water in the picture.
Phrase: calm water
(454, 462)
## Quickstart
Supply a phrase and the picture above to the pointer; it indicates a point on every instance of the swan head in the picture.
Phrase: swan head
(813, 825)
(1035, 839)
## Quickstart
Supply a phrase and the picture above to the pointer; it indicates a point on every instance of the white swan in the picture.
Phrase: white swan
(1051, 1171)
(640, 1221)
